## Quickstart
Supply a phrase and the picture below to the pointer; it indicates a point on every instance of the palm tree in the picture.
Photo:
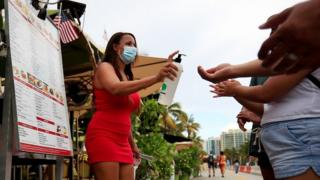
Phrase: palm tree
(188, 124)
(192, 127)
(197, 141)
(170, 115)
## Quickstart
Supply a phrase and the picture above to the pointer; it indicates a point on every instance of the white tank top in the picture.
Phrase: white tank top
(303, 101)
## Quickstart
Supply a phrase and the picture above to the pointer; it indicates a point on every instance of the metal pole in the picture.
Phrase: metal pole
(6, 134)
(13, 173)
(77, 144)
(70, 165)
(40, 172)
(6, 130)
(59, 168)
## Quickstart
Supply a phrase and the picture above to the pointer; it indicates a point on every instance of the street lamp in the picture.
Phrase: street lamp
(43, 11)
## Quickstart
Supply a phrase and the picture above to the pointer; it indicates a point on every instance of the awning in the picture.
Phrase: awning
(79, 56)
(147, 66)
(183, 145)
(175, 139)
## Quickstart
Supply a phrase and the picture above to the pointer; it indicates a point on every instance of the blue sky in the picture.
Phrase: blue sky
(210, 32)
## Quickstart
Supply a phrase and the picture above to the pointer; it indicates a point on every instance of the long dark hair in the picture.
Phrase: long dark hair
(110, 55)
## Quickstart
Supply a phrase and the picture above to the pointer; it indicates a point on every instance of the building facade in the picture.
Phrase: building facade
(213, 145)
(233, 138)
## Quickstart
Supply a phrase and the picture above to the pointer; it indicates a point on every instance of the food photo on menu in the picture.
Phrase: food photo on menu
(62, 130)
(65, 132)
(16, 71)
(31, 79)
(59, 129)
(39, 84)
(23, 75)
(45, 88)
(51, 91)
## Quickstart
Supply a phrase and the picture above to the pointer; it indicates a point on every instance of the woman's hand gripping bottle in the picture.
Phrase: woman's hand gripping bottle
(169, 87)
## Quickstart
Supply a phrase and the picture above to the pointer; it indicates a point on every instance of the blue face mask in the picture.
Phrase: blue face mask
(128, 55)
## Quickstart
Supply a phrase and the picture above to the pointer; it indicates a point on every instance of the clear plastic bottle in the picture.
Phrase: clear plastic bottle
(169, 87)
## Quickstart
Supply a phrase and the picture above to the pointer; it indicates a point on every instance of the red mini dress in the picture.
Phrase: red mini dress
(109, 129)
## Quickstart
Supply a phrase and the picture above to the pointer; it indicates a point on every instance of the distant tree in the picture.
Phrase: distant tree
(244, 152)
(231, 154)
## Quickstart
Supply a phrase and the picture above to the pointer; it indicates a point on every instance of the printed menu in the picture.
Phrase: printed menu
(39, 91)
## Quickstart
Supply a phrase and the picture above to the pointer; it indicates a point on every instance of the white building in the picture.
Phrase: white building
(234, 138)
(213, 145)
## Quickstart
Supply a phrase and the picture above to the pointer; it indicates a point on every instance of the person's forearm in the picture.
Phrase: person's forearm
(256, 94)
(248, 69)
(128, 87)
(255, 107)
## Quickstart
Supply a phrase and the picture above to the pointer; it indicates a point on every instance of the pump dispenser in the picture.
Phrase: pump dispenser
(169, 87)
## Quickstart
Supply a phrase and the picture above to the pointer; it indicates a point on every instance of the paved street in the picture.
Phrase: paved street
(230, 175)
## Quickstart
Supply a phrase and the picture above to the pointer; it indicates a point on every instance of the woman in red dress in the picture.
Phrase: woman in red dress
(109, 140)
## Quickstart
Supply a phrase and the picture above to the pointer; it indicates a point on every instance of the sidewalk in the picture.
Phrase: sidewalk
(256, 170)
(230, 175)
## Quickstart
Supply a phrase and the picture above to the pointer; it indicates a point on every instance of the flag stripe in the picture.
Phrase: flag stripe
(66, 28)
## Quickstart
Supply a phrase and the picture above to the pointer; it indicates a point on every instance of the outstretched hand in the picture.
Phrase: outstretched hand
(294, 43)
(215, 74)
(225, 88)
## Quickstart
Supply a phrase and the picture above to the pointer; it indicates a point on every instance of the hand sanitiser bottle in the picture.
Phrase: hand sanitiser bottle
(169, 87)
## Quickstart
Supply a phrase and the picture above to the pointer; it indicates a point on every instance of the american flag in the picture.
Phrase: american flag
(66, 28)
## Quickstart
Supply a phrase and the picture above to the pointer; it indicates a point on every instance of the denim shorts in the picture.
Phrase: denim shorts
(293, 146)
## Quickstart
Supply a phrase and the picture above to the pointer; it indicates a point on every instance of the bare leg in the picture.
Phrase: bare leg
(310, 175)
(126, 172)
(106, 171)
(222, 169)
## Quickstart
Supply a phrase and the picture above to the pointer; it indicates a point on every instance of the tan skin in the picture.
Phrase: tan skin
(245, 116)
(226, 71)
(245, 96)
(106, 78)
(296, 30)
(273, 89)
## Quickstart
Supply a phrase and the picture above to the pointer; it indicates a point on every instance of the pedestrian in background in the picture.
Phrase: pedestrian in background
(210, 162)
(222, 163)
(236, 166)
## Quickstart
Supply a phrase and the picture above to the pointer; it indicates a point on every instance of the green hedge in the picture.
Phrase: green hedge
(160, 168)
(187, 161)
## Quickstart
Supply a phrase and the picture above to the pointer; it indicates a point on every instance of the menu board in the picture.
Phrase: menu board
(39, 92)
